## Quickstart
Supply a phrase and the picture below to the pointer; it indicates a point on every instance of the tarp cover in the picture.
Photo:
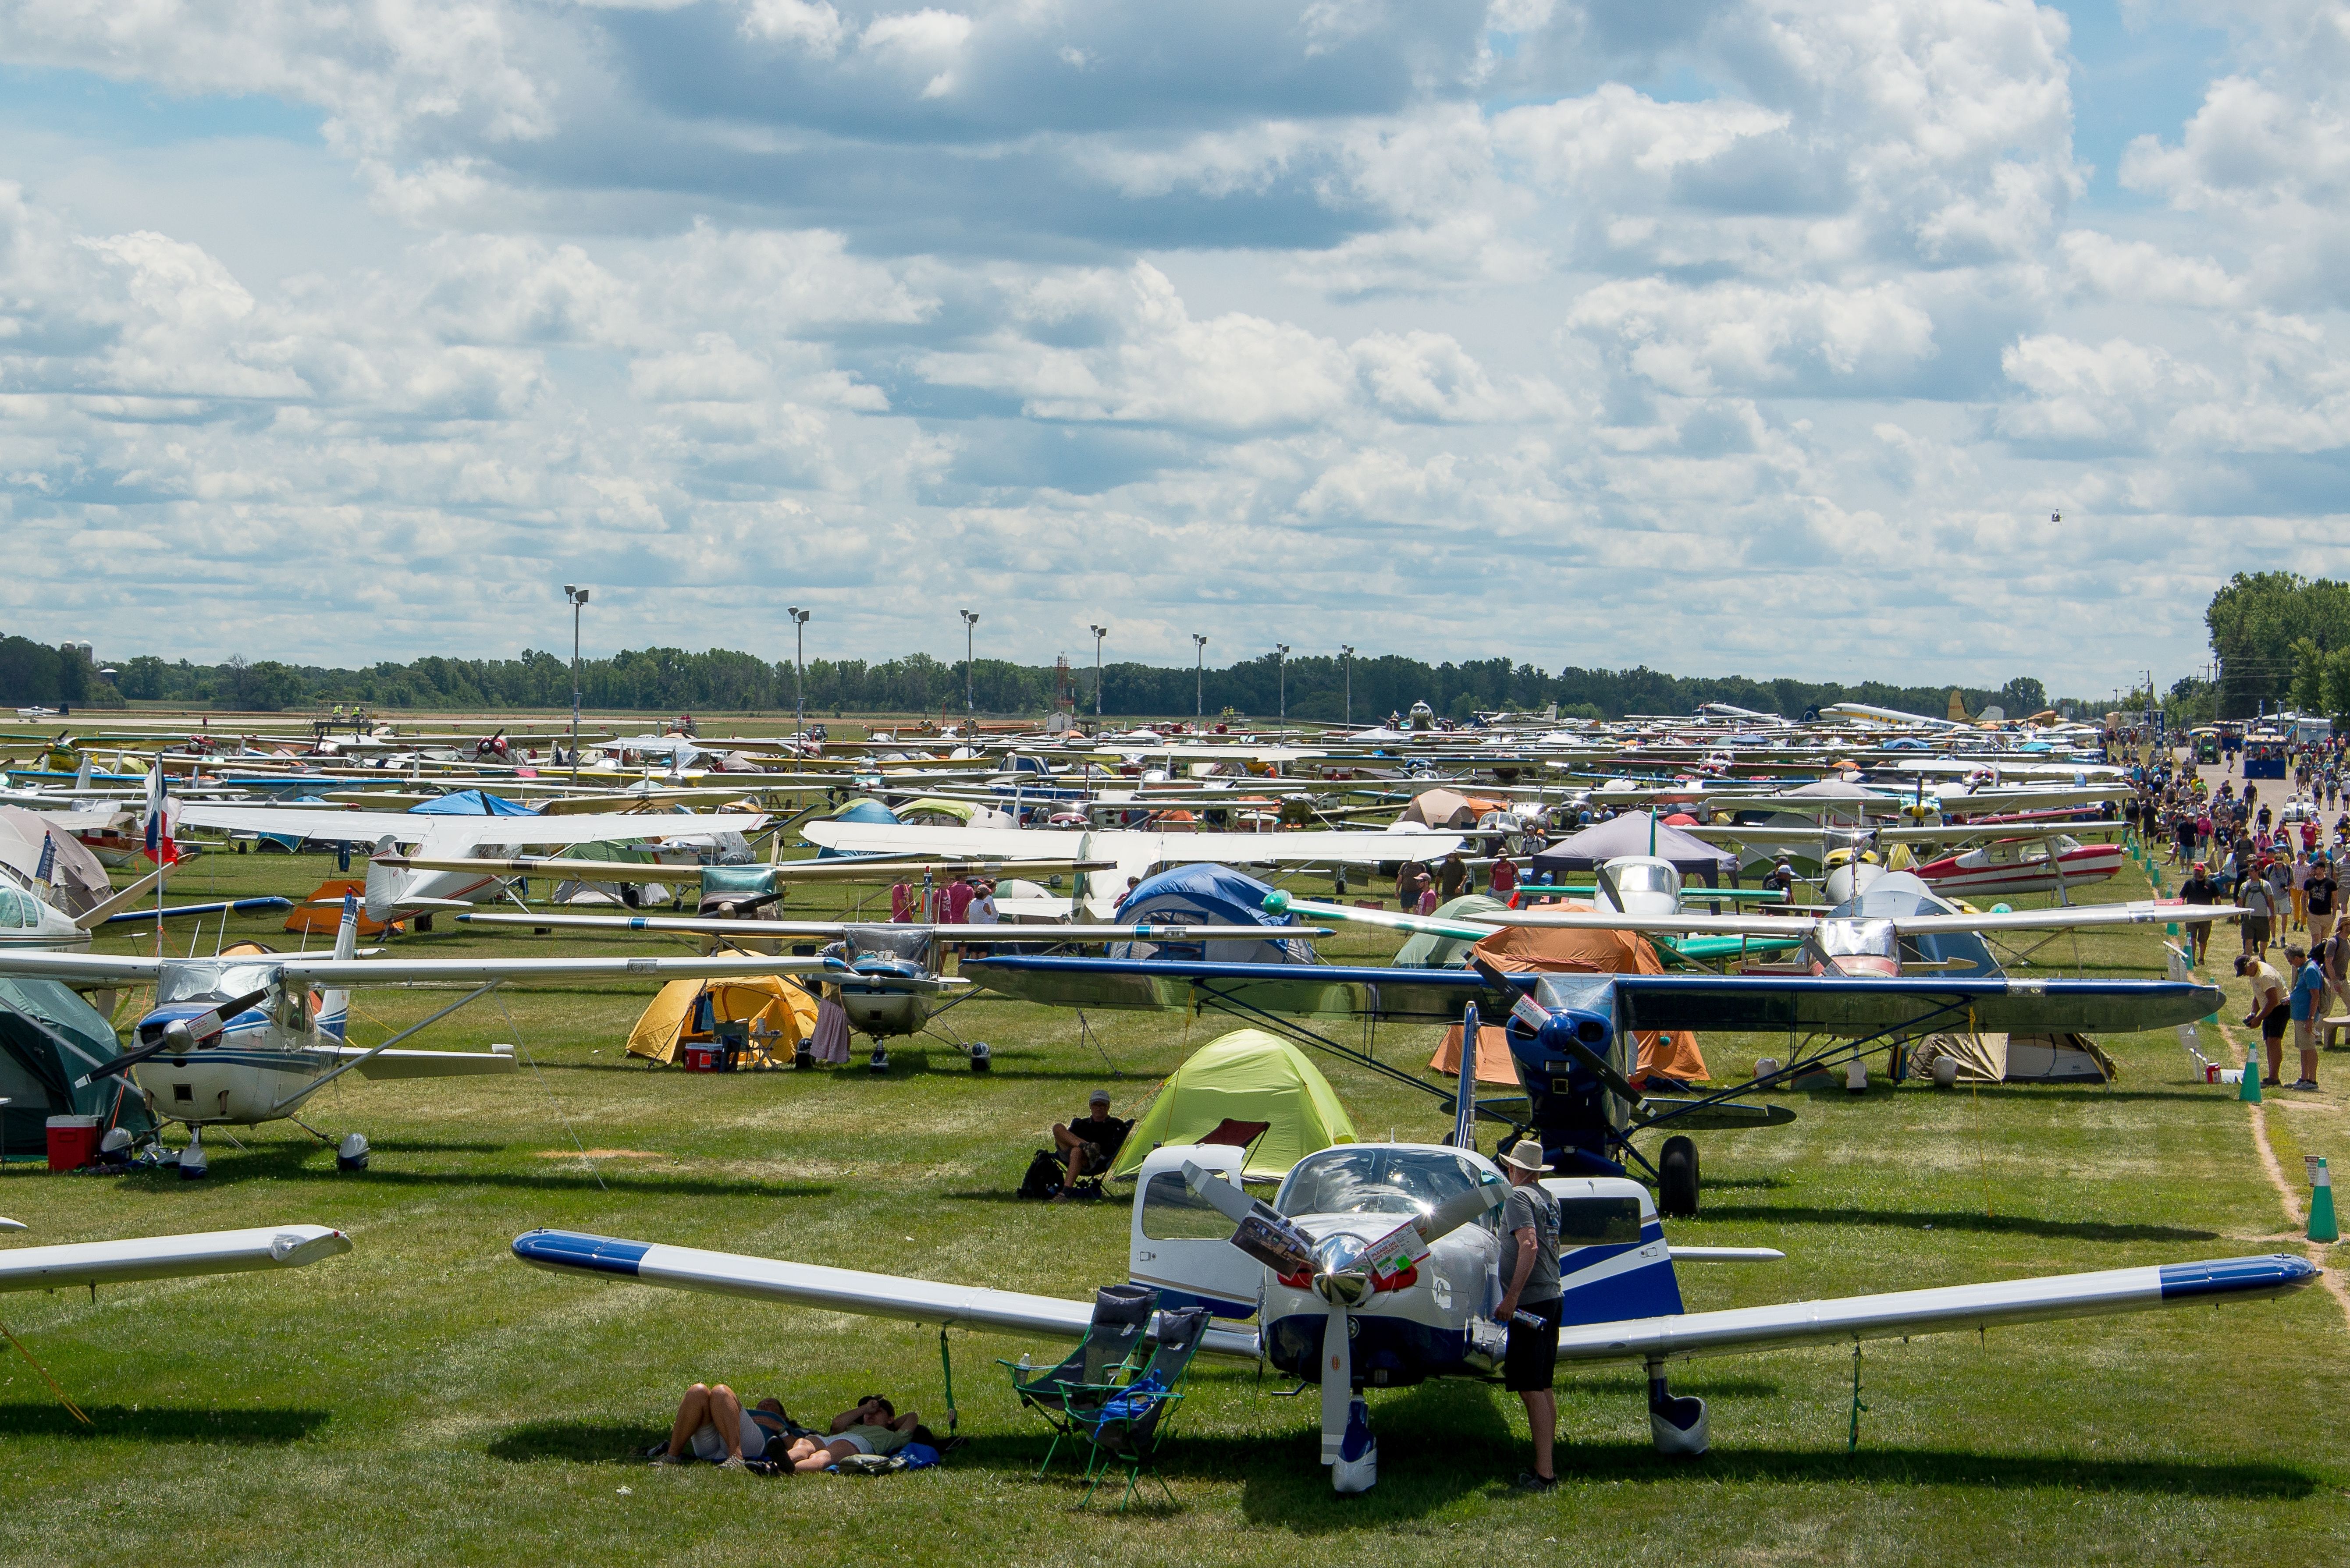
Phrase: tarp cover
(1995, 1058)
(49, 1037)
(1546, 949)
(1247, 1075)
(1206, 896)
(780, 1013)
(470, 803)
(76, 879)
(1628, 834)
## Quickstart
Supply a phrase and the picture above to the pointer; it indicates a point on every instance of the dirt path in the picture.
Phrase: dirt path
(2286, 1193)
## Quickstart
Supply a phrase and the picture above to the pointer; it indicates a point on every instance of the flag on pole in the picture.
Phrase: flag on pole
(160, 811)
(46, 871)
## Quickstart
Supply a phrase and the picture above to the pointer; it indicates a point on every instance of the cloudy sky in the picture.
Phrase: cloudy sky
(1757, 338)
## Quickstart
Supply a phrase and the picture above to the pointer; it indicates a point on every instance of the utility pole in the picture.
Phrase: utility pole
(578, 598)
(1099, 632)
(1282, 650)
(799, 663)
(1200, 679)
(1349, 650)
(969, 621)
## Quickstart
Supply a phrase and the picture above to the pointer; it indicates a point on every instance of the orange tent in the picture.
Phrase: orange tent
(321, 914)
(1551, 951)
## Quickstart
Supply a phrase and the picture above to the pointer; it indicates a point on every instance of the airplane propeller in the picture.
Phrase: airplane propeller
(1344, 1275)
(179, 1035)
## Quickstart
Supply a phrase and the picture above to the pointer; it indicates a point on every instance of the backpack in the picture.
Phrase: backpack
(1044, 1178)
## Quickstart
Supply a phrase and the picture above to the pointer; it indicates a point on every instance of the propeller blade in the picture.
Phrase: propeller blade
(1337, 1381)
(204, 1027)
(1460, 1209)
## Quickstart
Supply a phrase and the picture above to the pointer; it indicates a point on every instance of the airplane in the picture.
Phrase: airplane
(394, 895)
(2052, 863)
(1135, 854)
(242, 1039)
(1378, 1265)
(741, 889)
(1572, 1035)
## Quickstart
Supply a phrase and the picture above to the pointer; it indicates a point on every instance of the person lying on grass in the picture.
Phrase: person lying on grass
(871, 1426)
(712, 1424)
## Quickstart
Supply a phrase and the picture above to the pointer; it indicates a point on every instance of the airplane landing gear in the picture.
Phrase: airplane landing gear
(1676, 1423)
(1676, 1178)
(879, 1063)
(193, 1167)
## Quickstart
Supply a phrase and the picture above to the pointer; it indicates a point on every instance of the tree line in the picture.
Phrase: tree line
(671, 680)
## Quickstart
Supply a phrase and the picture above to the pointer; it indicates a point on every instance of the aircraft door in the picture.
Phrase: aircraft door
(1180, 1246)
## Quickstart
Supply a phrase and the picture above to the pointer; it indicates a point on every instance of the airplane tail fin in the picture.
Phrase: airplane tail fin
(385, 884)
(1614, 1263)
(81, 775)
(335, 1006)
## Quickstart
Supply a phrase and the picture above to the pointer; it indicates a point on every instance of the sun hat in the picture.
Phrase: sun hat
(1526, 1154)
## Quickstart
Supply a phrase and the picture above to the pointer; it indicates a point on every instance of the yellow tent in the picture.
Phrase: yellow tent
(780, 1013)
(1247, 1075)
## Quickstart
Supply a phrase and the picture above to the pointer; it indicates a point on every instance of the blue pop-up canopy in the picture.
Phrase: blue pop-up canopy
(469, 803)
(1208, 896)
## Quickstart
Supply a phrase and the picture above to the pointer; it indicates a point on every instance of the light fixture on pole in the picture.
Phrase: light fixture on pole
(799, 664)
(578, 598)
(969, 621)
(1200, 679)
(1349, 648)
(1099, 632)
(1282, 650)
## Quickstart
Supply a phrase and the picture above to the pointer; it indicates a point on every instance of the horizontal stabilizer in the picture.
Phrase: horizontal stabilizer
(168, 1257)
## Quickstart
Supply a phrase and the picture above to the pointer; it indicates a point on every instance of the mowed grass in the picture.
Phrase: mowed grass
(428, 1398)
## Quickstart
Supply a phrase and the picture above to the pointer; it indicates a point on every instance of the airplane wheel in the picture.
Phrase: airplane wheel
(1676, 1178)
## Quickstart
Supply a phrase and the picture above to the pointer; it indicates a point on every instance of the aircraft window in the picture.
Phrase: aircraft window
(1171, 1212)
(18, 910)
(1598, 1222)
(1846, 939)
(1374, 1181)
(1644, 878)
(204, 981)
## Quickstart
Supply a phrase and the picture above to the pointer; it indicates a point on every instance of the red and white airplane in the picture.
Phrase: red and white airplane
(2047, 864)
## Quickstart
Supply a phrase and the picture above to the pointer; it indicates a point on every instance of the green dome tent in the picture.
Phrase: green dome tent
(1247, 1075)
(1422, 950)
(49, 1037)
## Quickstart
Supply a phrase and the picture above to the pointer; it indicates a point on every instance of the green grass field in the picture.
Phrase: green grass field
(428, 1398)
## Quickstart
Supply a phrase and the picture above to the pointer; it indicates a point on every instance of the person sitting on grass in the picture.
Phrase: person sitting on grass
(872, 1426)
(712, 1424)
(1091, 1142)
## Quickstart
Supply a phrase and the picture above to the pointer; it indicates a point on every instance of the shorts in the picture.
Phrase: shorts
(2273, 1021)
(1531, 1362)
(2321, 924)
(2256, 929)
(708, 1445)
(854, 1442)
(2304, 1033)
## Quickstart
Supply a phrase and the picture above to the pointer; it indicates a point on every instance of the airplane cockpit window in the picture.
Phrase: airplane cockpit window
(1645, 879)
(18, 911)
(1374, 1181)
(1171, 1212)
(211, 982)
(1858, 939)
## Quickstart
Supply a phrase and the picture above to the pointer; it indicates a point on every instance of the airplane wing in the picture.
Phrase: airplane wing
(1794, 926)
(168, 1257)
(325, 970)
(95, 968)
(2143, 912)
(494, 1062)
(1905, 1312)
(829, 1289)
(995, 933)
(858, 869)
(1131, 847)
(408, 827)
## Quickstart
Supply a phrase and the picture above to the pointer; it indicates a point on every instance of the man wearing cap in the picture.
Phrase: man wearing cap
(1091, 1141)
(2197, 889)
(1530, 1303)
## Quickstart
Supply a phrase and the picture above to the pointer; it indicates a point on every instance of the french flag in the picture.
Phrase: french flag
(160, 811)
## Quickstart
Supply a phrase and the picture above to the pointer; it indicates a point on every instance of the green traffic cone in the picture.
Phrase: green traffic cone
(2322, 1226)
(2251, 1092)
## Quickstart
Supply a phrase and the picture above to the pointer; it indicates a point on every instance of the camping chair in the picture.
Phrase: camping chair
(1095, 1370)
(1239, 1135)
(1135, 1423)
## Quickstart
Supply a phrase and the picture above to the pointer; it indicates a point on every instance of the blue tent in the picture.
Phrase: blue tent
(864, 811)
(470, 803)
(1206, 896)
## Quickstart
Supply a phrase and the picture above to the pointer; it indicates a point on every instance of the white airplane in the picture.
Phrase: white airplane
(243, 1038)
(1135, 854)
(1378, 1265)
(738, 887)
(395, 894)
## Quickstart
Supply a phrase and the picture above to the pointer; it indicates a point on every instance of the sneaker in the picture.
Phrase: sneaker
(666, 1457)
(2268, 1082)
(734, 1463)
(1529, 1481)
(2308, 1085)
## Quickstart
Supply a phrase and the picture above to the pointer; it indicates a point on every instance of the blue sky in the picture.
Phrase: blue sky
(1711, 334)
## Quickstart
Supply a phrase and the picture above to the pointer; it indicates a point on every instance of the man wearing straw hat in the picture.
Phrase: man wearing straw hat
(1530, 1303)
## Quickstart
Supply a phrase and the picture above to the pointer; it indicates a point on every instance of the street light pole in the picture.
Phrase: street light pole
(799, 663)
(1350, 684)
(1099, 632)
(578, 598)
(969, 621)
(1199, 681)
(1282, 649)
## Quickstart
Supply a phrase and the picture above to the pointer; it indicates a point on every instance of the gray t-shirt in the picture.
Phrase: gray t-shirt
(1531, 1206)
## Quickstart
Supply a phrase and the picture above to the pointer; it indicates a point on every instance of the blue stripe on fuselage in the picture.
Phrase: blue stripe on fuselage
(572, 1250)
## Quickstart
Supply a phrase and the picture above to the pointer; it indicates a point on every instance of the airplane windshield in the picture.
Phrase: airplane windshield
(1849, 939)
(1374, 1181)
(211, 982)
(1643, 878)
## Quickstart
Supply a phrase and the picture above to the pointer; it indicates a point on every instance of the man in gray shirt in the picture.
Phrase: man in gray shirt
(1531, 1302)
